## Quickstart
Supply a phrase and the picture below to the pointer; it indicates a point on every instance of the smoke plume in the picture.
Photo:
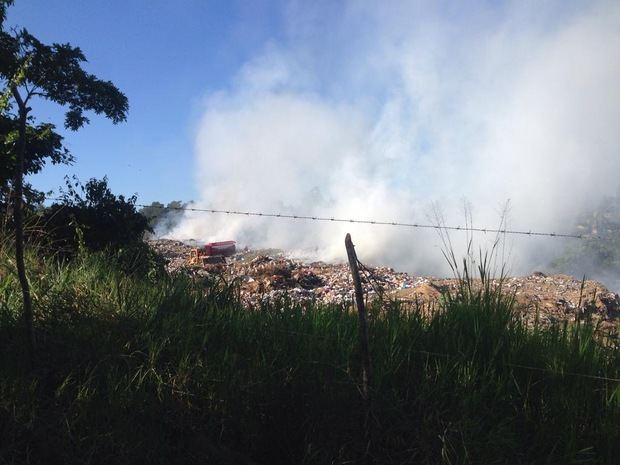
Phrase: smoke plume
(394, 110)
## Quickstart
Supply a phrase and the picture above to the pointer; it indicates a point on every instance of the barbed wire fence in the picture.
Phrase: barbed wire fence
(373, 222)
(369, 222)
(375, 283)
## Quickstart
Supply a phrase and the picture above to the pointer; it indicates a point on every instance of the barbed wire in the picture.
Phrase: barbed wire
(458, 356)
(375, 283)
(531, 368)
(372, 279)
(370, 222)
(564, 373)
(437, 227)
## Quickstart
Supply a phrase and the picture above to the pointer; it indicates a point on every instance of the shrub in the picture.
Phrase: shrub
(95, 219)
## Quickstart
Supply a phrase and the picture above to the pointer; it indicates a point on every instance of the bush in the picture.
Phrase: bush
(96, 219)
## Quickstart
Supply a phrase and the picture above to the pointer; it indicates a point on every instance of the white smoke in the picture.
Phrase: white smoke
(380, 110)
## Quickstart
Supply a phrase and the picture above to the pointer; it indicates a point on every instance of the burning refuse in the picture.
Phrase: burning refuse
(270, 275)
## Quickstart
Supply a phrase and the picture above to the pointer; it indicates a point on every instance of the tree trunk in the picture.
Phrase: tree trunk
(18, 217)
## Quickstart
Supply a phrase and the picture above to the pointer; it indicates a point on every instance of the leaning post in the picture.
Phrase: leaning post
(363, 335)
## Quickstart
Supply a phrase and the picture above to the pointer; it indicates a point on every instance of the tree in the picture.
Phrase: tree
(30, 69)
(152, 212)
(164, 218)
(42, 144)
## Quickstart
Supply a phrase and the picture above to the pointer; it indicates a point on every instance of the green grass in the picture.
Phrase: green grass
(138, 369)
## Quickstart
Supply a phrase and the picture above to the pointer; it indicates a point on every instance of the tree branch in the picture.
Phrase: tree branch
(33, 93)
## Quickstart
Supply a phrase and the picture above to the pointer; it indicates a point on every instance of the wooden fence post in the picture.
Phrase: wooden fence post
(363, 336)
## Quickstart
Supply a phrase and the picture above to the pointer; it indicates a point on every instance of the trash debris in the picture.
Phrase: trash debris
(270, 274)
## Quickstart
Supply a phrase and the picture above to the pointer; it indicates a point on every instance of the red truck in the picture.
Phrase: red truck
(212, 253)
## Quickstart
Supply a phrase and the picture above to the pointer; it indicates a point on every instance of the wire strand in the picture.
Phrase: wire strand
(366, 221)
(531, 368)
(370, 222)
(370, 275)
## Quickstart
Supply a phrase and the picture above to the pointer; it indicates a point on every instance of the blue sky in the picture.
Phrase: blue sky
(165, 58)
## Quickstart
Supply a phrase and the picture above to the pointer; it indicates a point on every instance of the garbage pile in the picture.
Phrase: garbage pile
(265, 277)
(269, 275)
(541, 299)
(176, 253)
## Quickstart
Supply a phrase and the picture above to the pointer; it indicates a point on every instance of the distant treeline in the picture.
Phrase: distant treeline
(163, 218)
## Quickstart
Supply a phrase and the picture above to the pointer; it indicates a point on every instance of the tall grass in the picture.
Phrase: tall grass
(139, 369)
